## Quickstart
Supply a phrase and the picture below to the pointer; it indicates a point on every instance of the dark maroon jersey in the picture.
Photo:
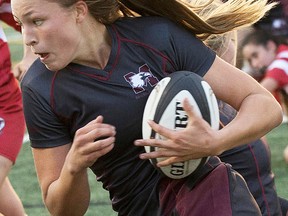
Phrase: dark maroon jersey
(56, 104)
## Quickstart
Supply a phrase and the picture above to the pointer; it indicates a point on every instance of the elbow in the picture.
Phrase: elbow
(276, 115)
(58, 208)
(279, 116)
(67, 211)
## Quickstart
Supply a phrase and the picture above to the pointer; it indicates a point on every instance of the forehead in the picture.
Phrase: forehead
(23, 8)
(254, 47)
(253, 50)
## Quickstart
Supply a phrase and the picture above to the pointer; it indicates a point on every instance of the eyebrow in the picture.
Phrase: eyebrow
(28, 13)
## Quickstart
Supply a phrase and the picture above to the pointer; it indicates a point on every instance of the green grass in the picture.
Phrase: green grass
(24, 180)
(278, 140)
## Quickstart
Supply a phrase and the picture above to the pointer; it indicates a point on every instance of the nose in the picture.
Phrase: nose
(29, 37)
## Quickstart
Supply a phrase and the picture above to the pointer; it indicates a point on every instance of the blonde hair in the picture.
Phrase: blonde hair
(202, 19)
(217, 42)
(194, 15)
(220, 43)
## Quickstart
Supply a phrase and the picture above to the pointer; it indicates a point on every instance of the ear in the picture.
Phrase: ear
(81, 10)
(271, 45)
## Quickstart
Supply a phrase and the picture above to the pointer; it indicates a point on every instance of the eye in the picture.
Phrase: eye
(37, 22)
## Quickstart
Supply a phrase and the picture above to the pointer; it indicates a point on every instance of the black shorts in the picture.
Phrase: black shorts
(216, 189)
(253, 162)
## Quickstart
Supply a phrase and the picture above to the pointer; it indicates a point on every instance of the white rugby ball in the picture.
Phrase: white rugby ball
(165, 107)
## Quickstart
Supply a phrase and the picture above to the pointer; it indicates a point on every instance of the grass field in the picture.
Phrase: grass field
(23, 176)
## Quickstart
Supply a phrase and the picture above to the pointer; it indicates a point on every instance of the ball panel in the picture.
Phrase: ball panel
(194, 84)
(213, 105)
(151, 105)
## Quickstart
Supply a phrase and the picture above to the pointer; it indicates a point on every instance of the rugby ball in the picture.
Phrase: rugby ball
(165, 107)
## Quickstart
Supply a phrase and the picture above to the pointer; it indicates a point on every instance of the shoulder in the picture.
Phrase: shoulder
(150, 28)
(36, 70)
(37, 79)
(144, 23)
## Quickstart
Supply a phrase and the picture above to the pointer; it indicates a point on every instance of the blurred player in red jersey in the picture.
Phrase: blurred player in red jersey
(265, 53)
(12, 126)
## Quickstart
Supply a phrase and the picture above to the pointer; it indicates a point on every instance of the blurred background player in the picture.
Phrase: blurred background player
(252, 160)
(276, 23)
(12, 124)
(269, 56)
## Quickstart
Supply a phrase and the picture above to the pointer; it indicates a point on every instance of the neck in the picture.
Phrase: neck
(96, 48)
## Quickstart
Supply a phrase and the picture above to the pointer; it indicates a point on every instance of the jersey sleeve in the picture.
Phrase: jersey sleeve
(189, 52)
(6, 14)
(279, 76)
(44, 126)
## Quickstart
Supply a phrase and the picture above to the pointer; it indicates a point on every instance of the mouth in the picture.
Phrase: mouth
(42, 56)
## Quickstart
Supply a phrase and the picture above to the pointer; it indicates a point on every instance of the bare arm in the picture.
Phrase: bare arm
(258, 113)
(59, 187)
(5, 166)
(62, 171)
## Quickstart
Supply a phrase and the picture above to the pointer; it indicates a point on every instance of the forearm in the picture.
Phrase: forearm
(258, 115)
(69, 195)
(5, 166)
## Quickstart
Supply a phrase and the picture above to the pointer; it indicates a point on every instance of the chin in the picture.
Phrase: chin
(52, 67)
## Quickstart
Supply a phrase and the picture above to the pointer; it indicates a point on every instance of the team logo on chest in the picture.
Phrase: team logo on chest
(139, 81)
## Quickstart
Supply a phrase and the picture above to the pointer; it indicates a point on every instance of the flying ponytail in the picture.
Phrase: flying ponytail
(193, 15)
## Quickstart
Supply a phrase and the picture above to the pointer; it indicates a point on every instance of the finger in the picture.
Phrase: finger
(101, 133)
(167, 162)
(161, 153)
(96, 123)
(102, 145)
(99, 153)
(172, 160)
(105, 150)
(93, 151)
(189, 109)
(98, 119)
(150, 142)
(163, 131)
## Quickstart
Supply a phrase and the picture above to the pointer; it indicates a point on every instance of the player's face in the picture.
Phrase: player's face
(49, 29)
(258, 56)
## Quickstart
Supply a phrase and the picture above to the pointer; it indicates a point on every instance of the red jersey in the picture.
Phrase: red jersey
(278, 69)
(12, 125)
(5, 60)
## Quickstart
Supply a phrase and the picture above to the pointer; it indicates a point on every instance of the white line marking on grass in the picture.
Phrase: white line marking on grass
(26, 138)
